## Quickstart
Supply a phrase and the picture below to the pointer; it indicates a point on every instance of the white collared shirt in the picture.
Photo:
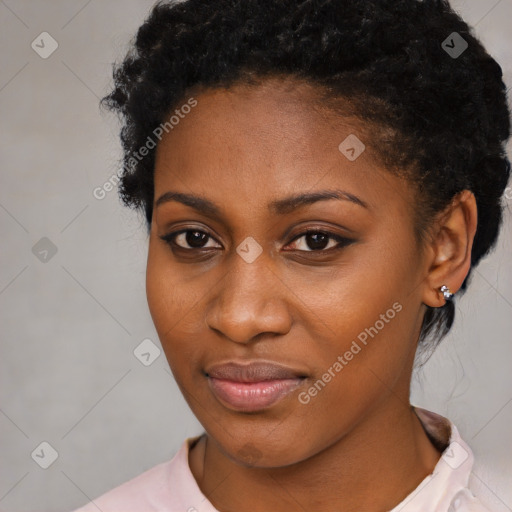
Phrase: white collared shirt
(171, 486)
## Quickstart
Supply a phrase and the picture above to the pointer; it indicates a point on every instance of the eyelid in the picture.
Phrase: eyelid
(169, 238)
(315, 231)
(342, 241)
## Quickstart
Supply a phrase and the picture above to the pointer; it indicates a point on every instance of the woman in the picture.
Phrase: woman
(319, 179)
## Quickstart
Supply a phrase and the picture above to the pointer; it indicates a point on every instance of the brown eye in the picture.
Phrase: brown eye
(195, 239)
(318, 241)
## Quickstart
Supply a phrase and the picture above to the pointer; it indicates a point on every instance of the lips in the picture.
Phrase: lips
(254, 386)
(253, 372)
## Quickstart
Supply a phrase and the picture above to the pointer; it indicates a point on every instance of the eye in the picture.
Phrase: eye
(318, 241)
(194, 238)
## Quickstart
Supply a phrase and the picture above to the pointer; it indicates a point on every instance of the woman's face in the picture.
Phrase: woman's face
(326, 321)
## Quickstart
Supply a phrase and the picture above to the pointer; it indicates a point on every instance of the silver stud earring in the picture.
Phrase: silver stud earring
(446, 292)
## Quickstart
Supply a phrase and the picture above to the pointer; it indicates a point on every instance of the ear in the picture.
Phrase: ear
(449, 254)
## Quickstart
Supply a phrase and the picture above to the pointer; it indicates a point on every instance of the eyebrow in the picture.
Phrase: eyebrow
(280, 206)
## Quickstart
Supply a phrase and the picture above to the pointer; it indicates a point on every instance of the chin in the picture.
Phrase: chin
(263, 452)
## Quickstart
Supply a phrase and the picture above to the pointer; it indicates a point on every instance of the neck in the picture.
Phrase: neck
(374, 467)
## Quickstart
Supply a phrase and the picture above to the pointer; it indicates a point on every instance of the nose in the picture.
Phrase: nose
(249, 300)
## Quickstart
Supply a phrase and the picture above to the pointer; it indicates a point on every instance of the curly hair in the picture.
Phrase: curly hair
(442, 117)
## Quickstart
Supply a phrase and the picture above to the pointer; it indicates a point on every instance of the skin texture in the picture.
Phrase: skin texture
(242, 148)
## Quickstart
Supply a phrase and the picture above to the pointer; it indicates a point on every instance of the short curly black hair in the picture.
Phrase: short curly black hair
(442, 106)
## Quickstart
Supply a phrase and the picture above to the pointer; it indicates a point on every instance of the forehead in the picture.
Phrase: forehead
(275, 118)
(262, 142)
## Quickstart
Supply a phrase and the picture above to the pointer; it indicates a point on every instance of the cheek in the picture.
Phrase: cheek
(167, 300)
(371, 311)
(158, 289)
(174, 308)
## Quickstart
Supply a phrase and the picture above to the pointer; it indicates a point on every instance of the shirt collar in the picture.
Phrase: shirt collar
(451, 473)
(434, 493)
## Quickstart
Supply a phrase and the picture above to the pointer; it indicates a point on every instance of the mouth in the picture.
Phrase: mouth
(252, 387)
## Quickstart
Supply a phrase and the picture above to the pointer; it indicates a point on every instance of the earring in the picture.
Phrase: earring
(446, 292)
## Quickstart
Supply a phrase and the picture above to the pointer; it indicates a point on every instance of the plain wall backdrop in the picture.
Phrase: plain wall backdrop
(72, 278)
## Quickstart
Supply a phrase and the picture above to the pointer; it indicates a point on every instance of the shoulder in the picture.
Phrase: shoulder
(447, 488)
(166, 487)
(133, 495)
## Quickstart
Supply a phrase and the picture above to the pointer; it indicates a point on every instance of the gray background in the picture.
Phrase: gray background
(69, 325)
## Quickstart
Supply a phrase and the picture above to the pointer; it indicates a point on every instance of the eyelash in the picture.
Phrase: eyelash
(342, 241)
